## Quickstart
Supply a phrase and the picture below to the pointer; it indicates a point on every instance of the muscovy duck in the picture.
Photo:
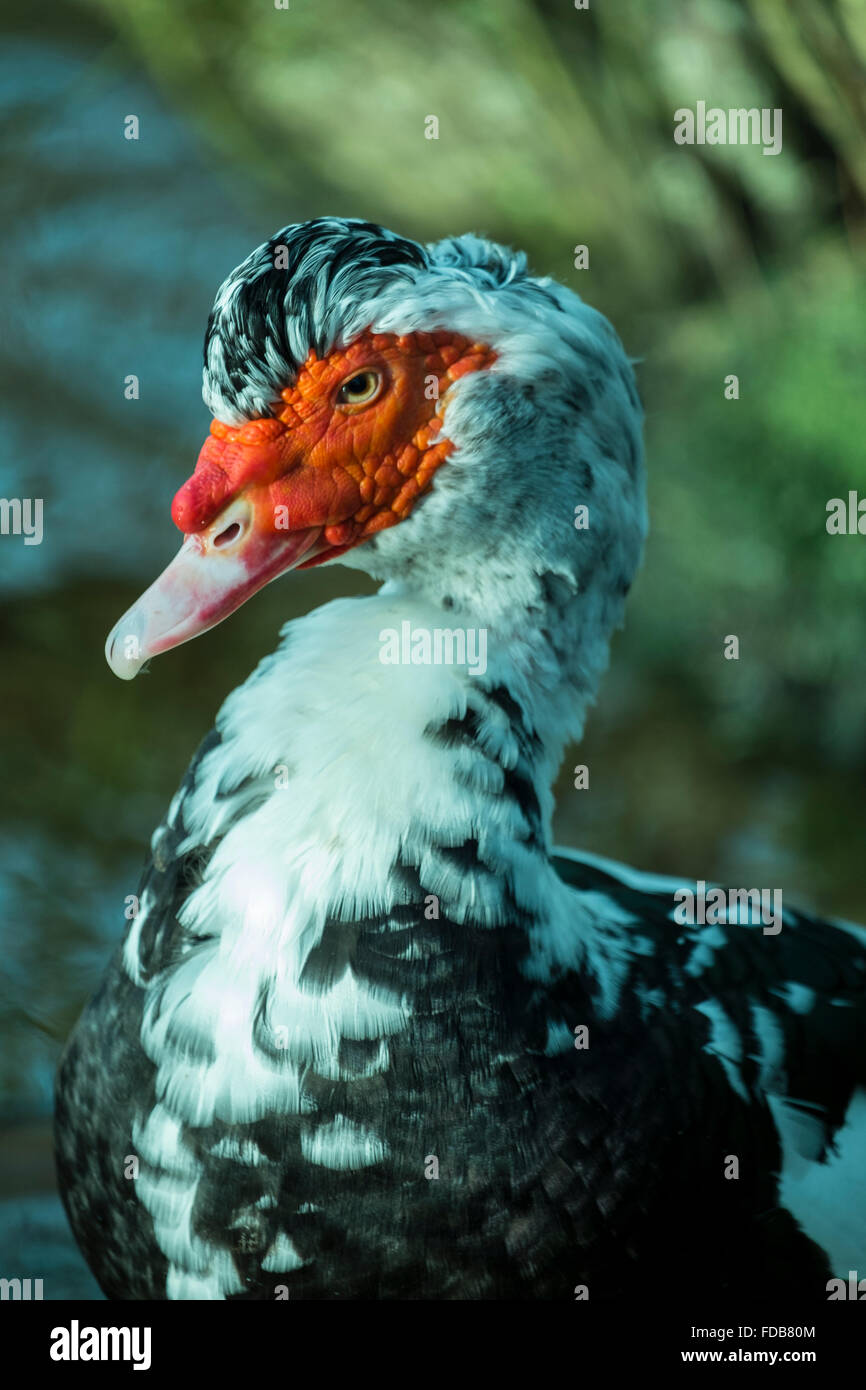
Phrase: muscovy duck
(369, 1034)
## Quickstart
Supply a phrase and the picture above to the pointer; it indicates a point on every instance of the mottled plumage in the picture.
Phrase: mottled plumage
(343, 1036)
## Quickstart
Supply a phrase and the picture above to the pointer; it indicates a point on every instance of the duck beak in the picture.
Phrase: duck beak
(214, 572)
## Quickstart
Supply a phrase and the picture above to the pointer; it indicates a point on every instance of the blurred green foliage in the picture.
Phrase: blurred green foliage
(555, 124)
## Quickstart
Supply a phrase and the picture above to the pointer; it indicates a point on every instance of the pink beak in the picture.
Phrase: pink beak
(213, 573)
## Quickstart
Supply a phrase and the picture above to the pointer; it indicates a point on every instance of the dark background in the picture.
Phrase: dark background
(556, 129)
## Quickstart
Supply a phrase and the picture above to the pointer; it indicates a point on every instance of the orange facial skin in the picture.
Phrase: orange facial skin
(351, 469)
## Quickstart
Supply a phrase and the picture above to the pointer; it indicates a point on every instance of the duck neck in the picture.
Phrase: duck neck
(389, 731)
(371, 840)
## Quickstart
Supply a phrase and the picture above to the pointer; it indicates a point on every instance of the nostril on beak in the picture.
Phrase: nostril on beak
(230, 534)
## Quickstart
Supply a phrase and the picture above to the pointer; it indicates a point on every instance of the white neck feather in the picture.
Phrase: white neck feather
(339, 786)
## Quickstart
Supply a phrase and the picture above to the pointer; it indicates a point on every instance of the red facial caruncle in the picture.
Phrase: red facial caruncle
(349, 449)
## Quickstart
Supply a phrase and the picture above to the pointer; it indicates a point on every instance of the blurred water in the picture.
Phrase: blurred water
(35, 1243)
(74, 900)
(114, 251)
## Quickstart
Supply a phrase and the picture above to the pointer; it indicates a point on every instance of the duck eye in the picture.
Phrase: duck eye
(360, 389)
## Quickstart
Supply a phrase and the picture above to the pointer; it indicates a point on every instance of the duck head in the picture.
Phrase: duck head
(431, 414)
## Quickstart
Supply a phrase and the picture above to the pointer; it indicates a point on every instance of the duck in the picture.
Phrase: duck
(370, 1034)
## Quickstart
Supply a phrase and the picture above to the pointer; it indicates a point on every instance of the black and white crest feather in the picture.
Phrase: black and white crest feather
(315, 285)
(291, 294)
